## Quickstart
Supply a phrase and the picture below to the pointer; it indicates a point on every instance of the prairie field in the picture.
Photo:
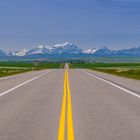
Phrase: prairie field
(12, 68)
(129, 70)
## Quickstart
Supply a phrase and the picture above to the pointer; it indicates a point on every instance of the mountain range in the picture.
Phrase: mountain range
(65, 49)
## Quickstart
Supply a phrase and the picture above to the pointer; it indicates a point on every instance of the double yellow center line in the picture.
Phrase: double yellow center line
(66, 113)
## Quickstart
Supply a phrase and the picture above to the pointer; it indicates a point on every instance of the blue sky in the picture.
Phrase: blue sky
(86, 23)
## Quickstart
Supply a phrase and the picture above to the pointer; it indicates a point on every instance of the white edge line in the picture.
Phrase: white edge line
(1, 94)
(126, 90)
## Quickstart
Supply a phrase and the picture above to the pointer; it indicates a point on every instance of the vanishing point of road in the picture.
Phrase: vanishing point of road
(69, 104)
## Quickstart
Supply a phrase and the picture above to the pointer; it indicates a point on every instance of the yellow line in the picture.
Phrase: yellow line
(66, 97)
(70, 129)
(61, 131)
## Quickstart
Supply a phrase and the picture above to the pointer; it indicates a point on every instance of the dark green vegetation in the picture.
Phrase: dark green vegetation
(129, 70)
(30, 64)
(10, 68)
(8, 71)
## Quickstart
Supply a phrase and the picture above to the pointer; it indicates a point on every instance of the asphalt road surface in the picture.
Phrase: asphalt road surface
(69, 104)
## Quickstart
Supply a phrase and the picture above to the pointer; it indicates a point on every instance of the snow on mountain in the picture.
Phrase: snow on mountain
(89, 51)
(40, 50)
(62, 45)
(67, 48)
(20, 53)
(62, 48)
(11, 53)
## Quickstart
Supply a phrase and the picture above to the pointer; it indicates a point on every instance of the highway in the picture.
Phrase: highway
(69, 104)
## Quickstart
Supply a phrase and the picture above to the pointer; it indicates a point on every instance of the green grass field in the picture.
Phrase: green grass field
(11, 68)
(129, 70)
(30, 64)
(8, 72)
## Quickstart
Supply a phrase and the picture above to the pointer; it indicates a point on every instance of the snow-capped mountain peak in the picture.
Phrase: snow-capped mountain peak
(17, 53)
(62, 45)
(61, 48)
(48, 47)
(66, 48)
(40, 47)
(89, 51)
(22, 52)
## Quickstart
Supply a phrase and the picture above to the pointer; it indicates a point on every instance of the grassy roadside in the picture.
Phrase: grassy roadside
(62, 65)
(30, 65)
(129, 70)
(12, 68)
(8, 72)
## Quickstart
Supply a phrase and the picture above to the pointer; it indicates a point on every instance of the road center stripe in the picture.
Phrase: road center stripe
(61, 131)
(70, 130)
(64, 109)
